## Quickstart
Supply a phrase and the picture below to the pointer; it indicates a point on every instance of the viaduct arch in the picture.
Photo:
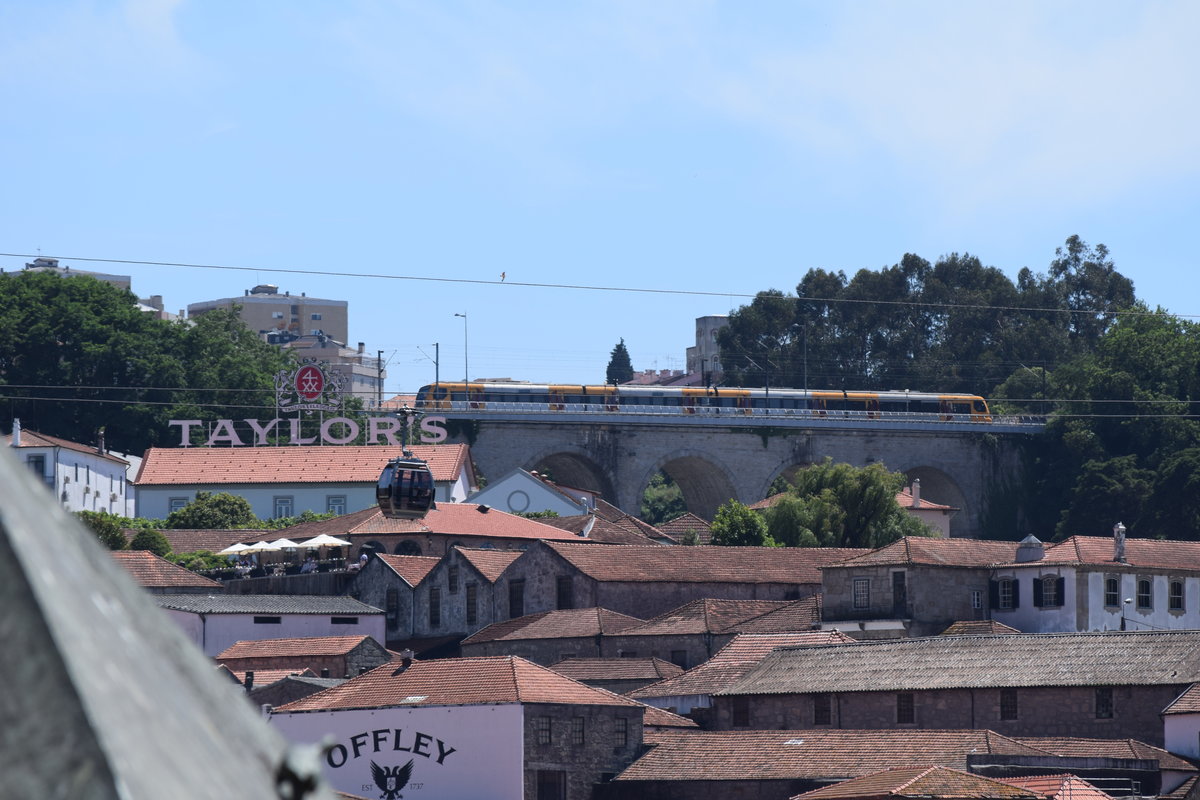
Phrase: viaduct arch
(712, 464)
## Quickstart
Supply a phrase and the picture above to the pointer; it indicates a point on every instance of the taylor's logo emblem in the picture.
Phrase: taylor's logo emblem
(311, 387)
(391, 780)
(309, 382)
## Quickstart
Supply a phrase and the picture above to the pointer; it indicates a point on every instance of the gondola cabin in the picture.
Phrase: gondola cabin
(405, 489)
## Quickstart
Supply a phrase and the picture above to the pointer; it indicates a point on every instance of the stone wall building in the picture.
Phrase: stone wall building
(617, 675)
(457, 598)
(328, 656)
(550, 636)
(389, 582)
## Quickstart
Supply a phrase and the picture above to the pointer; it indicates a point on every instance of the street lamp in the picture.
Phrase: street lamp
(466, 351)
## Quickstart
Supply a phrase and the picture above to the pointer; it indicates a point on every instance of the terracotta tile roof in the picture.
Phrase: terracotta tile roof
(265, 677)
(921, 782)
(458, 681)
(1126, 658)
(411, 569)
(1186, 703)
(189, 540)
(1149, 553)
(599, 530)
(1059, 787)
(1072, 747)
(794, 617)
(490, 563)
(733, 661)
(823, 754)
(905, 500)
(1180, 792)
(279, 648)
(661, 718)
(703, 564)
(768, 502)
(153, 572)
(971, 627)
(448, 519)
(33, 439)
(938, 552)
(263, 604)
(685, 522)
(567, 624)
(208, 466)
(704, 616)
(616, 669)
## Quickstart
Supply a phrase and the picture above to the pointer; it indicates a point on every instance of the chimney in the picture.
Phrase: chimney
(100, 440)
(1119, 542)
(324, 672)
(916, 492)
(16, 432)
(1030, 549)
(362, 348)
(406, 659)
(249, 681)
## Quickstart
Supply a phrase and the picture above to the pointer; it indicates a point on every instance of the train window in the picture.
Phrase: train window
(893, 406)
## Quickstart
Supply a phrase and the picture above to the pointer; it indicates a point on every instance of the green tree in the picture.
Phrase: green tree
(199, 560)
(663, 500)
(152, 540)
(620, 368)
(220, 511)
(107, 528)
(736, 525)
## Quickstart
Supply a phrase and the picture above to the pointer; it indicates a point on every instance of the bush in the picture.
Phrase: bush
(153, 541)
(107, 528)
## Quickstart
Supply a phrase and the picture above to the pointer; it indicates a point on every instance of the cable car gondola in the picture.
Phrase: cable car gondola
(405, 489)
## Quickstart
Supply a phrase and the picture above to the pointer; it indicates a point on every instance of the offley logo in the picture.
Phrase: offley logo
(310, 387)
(391, 781)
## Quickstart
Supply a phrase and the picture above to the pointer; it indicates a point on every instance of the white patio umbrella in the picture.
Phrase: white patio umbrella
(325, 540)
(284, 544)
(263, 547)
(233, 549)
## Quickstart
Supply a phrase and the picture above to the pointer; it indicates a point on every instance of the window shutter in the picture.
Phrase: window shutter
(1037, 593)
(1060, 588)
(994, 594)
(1016, 593)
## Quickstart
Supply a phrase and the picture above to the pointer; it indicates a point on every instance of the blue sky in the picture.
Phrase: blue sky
(719, 148)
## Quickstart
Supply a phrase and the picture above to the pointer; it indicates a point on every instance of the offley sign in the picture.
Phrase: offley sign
(310, 387)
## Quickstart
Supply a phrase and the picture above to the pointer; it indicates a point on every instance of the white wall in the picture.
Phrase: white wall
(487, 741)
(81, 481)
(1182, 734)
(518, 492)
(213, 633)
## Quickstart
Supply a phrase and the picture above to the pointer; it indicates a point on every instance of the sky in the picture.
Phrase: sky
(571, 174)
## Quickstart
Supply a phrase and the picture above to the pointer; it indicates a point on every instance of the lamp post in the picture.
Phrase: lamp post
(466, 351)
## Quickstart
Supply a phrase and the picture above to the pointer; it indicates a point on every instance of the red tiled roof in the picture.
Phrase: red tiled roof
(304, 646)
(661, 718)
(938, 552)
(808, 754)
(703, 564)
(794, 617)
(733, 661)
(1149, 553)
(207, 466)
(265, 677)
(33, 439)
(921, 782)
(1072, 747)
(1186, 703)
(490, 563)
(457, 681)
(189, 540)
(599, 530)
(1059, 787)
(704, 616)
(566, 624)
(905, 500)
(616, 669)
(154, 572)
(685, 522)
(412, 569)
(973, 627)
(1183, 791)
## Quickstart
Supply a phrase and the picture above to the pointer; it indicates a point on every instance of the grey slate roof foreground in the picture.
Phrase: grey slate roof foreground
(103, 696)
(959, 662)
(264, 604)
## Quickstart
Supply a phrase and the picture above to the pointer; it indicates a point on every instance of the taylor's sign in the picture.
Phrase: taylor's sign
(310, 387)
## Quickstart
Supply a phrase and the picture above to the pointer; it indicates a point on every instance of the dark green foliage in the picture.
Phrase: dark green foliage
(662, 501)
(199, 561)
(735, 525)
(538, 514)
(220, 511)
(620, 368)
(107, 528)
(690, 538)
(279, 523)
(152, 540)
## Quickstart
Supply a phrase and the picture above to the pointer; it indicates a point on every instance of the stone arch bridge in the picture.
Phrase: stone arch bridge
(958, 464)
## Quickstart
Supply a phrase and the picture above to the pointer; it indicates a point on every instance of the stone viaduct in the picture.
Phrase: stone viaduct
(712, 463)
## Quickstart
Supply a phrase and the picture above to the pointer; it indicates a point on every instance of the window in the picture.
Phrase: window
(621, 733)
(516, 598)
(1145, 593)
(551, 784)
(577, 730)
(177, 503)
(1005, 594)
(283, 506)
(276, 315)
(472, 604)
(1008, 704)
(741, 711)
(862, 592)
(976, 599)
(906, 712)
(316, 316)
(343, 620)
(435, 607)
(452, 579)
(822, 709)
(563, 587)
(1104, 702)
(268, 620)
(392, 607)
(542, 726)
(335, 504)
(1112, 591)
(1175, 595)
(679, 658)
(1048, 591)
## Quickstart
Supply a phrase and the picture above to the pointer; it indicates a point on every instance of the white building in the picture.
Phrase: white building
(286, 481)
(216, 622)
(520, 492)
(82, 478)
